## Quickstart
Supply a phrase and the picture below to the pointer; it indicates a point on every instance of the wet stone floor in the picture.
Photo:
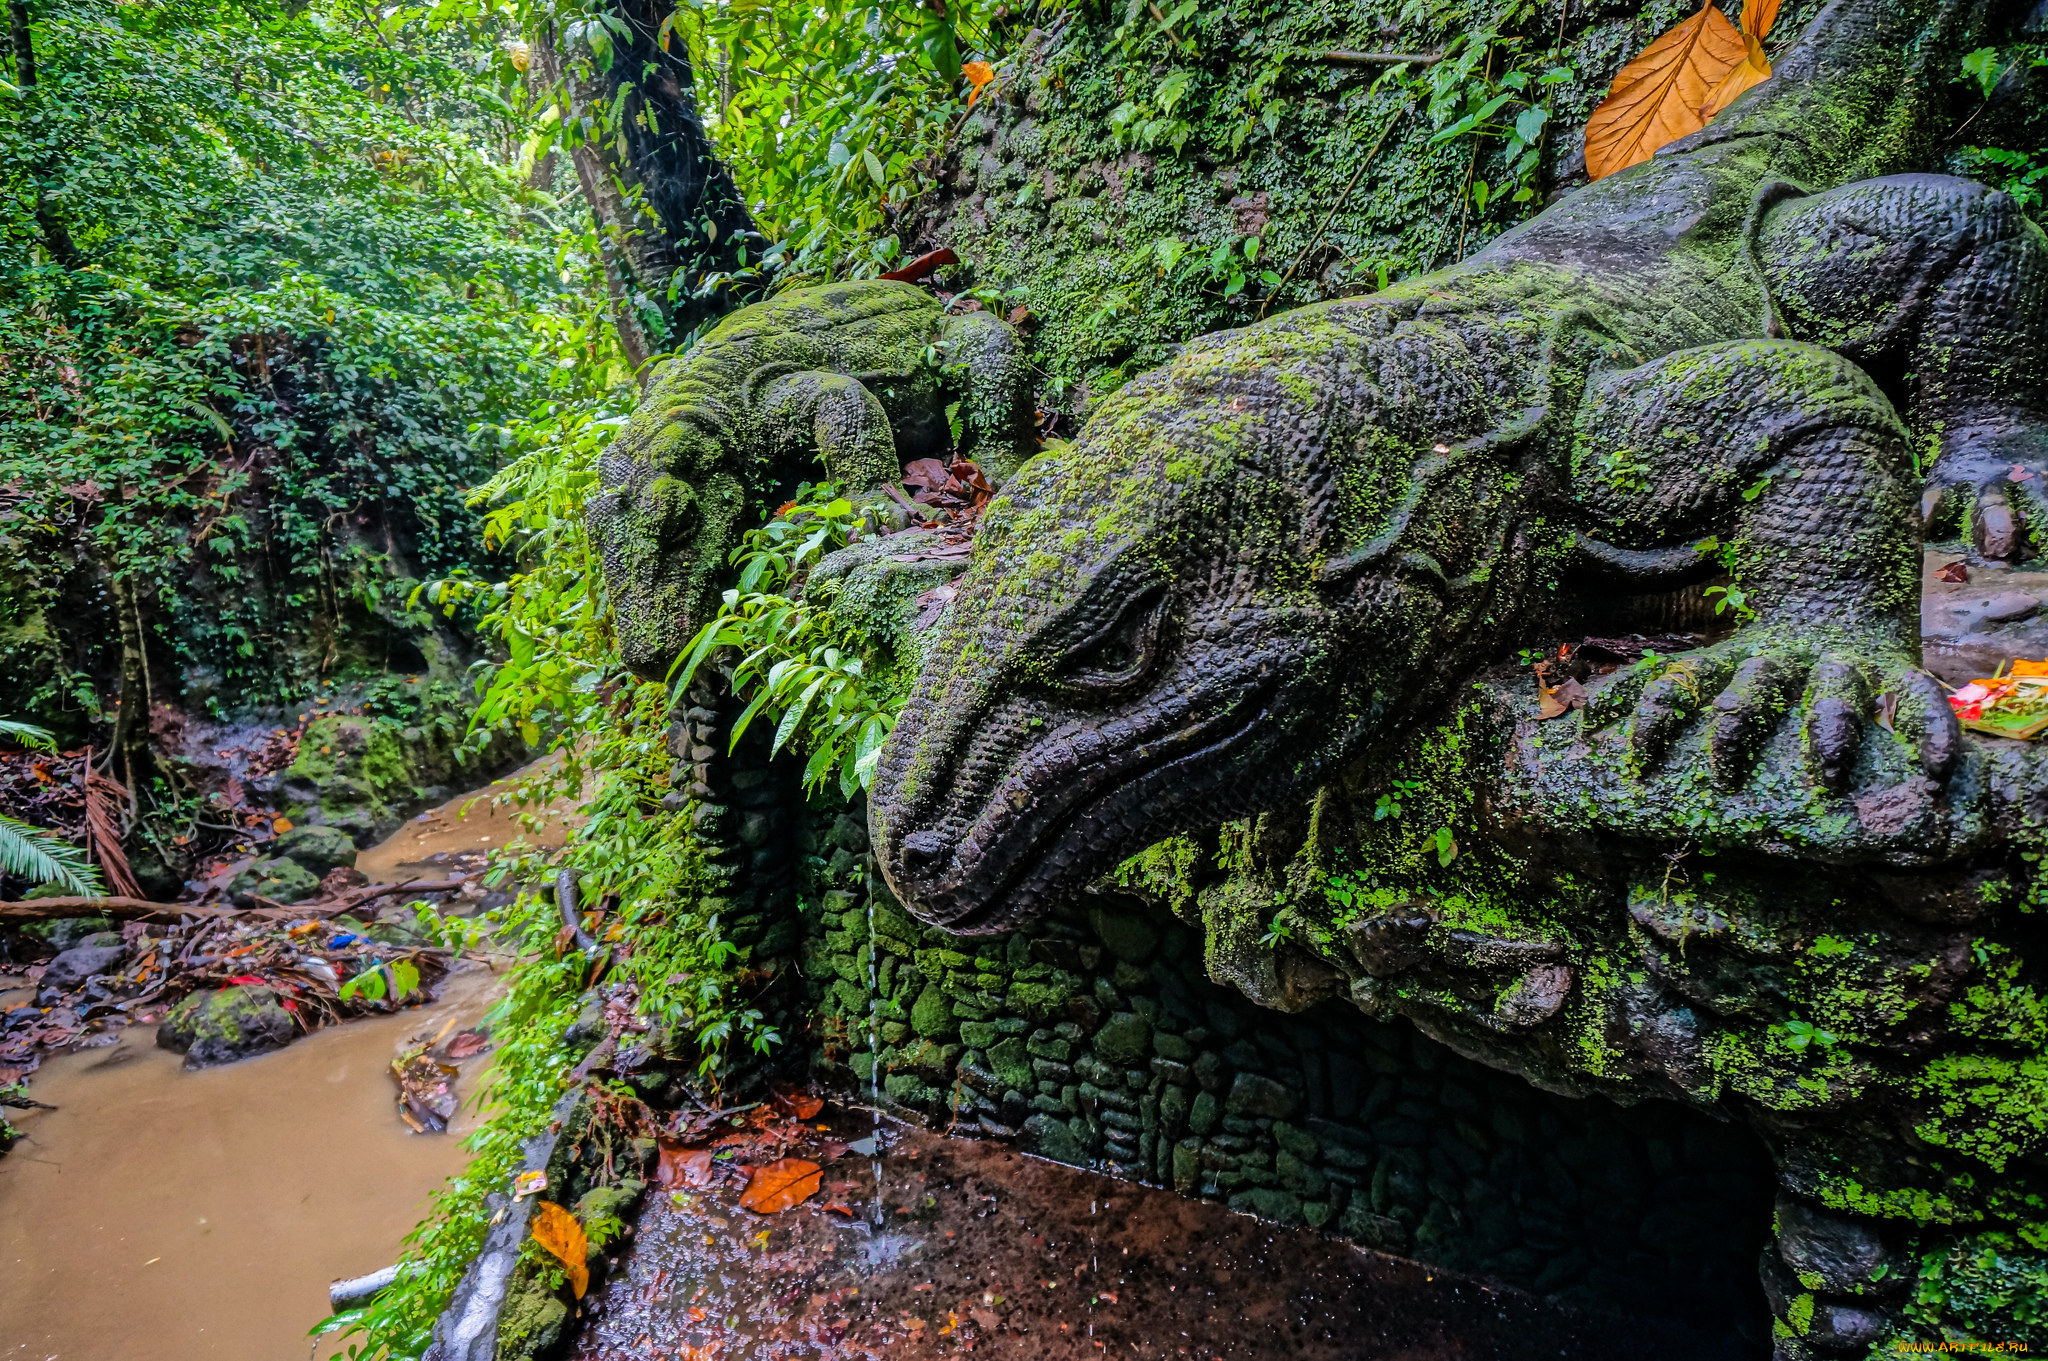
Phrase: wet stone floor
(973, 1247)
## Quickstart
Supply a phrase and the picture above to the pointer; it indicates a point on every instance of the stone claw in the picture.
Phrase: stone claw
(1747, 712)
(2000, 478)
(1927, 723)
(1670, 701)
(1836, 701)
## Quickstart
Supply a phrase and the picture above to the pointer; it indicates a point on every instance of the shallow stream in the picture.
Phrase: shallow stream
(165, 1215)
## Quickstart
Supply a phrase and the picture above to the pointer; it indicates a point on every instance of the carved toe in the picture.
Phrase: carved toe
(1670, 702)
(1747, 712)
(1925, 720)
(1836, 702)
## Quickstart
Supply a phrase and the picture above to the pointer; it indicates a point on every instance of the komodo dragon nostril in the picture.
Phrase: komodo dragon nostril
(922, 850)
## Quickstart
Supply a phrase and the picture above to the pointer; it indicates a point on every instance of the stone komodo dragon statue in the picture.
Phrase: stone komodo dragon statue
(860, 376)
(1265, 580)
(1300, 539)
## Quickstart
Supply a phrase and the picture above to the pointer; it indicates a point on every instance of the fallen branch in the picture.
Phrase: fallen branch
(130, 909)
(119, 908)
(356, 897)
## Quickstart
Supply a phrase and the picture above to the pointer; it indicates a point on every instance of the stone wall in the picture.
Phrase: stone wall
(1096, 1038)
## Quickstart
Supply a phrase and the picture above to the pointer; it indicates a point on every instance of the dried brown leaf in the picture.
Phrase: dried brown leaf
(680, 1167)
(555, 1229)
(1656, 99)
(781, 1184)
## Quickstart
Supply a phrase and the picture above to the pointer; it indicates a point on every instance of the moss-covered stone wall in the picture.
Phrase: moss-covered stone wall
(1096, 1038)
(1136, 184)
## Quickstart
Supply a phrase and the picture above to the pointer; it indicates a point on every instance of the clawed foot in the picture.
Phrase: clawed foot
(1746, 690)
(1991, 486)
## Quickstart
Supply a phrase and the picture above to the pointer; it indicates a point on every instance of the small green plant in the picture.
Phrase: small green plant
(33, 853)
(398, 980)
(1443, 844)
(1389, 804)
(1800, 1034)
(1734, 598)
(795, 664)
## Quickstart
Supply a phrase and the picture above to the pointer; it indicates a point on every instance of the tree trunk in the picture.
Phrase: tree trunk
(666, 205)
(18, 39)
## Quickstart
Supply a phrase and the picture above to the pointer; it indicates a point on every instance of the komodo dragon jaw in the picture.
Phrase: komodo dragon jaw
(1047, 791)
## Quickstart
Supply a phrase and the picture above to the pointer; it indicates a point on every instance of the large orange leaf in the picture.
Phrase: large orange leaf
(978, 73)
(1753, 69)
(779, 1185)
(555, 1229)
(1656, 99)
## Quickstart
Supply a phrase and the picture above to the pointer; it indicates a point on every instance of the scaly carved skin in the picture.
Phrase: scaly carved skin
(837, 372)
(1301, 536)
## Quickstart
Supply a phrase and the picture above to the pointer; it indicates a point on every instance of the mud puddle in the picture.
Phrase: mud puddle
(935, 1246)
(173, 1215)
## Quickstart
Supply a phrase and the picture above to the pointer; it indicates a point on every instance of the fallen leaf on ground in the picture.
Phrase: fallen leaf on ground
(555, 1229)
(1656, 99)
(1555, 701)
(1955, 571)
(468, 1044)
(681, 1166)
(781, 1184)
(802, 1105)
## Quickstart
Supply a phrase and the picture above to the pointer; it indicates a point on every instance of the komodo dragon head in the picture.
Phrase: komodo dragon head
(1185, 616)
(666, 521)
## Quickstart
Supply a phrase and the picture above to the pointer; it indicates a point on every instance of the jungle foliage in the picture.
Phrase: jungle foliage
(261, 272)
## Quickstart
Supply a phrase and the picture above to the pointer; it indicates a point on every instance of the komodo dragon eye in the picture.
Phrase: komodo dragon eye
(1120, 654)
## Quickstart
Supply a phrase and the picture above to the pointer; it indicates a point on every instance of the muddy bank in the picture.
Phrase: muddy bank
(939, 1246)
(172, 1215)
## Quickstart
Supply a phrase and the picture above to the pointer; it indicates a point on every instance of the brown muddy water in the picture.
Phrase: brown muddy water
(165, 1215)
(161, 1215)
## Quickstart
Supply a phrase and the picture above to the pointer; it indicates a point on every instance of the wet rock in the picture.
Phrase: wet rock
(62, 933)
(531, 1320)
(1391, 942)
(1267, 1203)
(317, 849)
(1476, 950)
(1374, 1230)
(1253, 1094)
(1050, 1137)
(1833, 1252)
(1129, 937)
(226, 1024)
(2009, 607)
(81, 962)
(1535, 997)
(932, 1015)
(1124, 1040)
(340, 880)
(276, 878)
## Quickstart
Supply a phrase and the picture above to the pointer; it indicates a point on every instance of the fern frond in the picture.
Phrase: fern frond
(29, 852)
(28, 735)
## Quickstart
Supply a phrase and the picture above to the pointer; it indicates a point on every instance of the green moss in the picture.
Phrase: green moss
(1990, 1107)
